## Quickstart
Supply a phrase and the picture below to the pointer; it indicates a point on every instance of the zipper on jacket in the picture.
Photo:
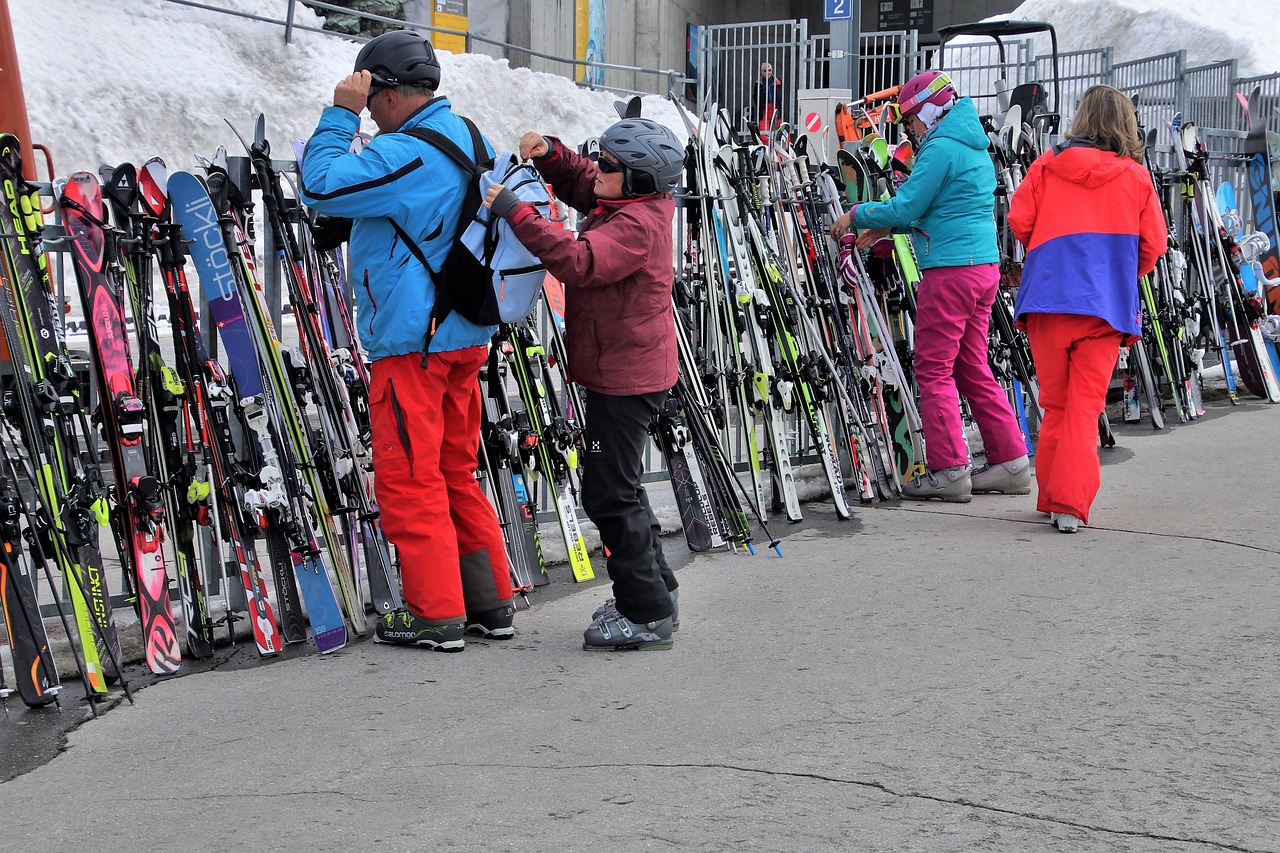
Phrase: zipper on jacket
(372, 301)
(401, 428)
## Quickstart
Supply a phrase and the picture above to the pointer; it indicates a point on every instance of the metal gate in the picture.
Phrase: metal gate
(729, 60)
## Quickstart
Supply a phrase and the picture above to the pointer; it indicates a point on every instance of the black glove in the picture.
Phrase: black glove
(505, 203)
(330, 232)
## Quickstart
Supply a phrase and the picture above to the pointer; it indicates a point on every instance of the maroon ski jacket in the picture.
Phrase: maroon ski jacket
(617, 275)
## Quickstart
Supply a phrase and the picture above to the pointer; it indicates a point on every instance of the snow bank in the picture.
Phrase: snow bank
(1209, 30)
(151, 78)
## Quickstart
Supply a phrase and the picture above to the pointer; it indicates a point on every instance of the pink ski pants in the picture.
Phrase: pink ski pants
(953, 312)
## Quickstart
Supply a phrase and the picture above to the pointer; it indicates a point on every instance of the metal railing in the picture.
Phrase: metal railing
(663, 80)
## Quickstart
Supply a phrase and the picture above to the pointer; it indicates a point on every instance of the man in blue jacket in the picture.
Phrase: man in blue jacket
(424, 397)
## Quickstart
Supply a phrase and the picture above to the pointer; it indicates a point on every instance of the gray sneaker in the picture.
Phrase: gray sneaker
(949, 484)
(1006, 478)
(613, 632)
(611, 606)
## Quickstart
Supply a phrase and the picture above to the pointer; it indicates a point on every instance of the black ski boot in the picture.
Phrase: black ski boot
(403, 628)
(493, 624)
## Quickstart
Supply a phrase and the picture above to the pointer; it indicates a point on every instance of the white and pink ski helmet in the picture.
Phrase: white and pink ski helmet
(929, 95)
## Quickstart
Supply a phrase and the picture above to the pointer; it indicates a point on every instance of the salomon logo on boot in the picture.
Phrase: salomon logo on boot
(403, 628)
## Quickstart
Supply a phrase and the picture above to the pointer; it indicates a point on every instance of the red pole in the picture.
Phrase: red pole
(13, 106)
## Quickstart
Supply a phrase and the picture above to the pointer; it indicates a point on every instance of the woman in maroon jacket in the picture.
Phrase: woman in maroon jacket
(620, 332)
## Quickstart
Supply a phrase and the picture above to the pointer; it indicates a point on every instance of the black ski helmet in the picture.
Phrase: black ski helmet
(400, 58)
(652, 154)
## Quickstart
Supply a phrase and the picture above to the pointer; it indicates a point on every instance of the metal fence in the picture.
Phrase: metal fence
(729, 60)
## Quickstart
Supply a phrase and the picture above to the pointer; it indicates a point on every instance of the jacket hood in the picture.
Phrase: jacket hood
(961, 123)
(1079, 162)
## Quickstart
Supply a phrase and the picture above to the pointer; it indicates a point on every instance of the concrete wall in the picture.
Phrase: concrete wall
(652, 33)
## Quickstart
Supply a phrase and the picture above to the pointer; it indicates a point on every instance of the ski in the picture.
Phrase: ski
(122, 417)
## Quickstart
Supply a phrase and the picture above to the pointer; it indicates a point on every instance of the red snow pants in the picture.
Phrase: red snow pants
(953, 313)
(426, 437)
(1074, 355)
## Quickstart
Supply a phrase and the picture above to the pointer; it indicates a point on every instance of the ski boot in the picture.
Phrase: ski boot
(493, 624)
(1006, 478)
(404, 628)
(613, 632)
(949, 484)
(611, 606)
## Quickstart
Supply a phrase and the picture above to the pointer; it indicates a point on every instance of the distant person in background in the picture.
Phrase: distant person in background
(768, 99)
(1092, 225)
(846, 130)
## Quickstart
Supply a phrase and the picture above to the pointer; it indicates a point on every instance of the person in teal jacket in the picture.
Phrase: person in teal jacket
(947, 206)
(424, 395)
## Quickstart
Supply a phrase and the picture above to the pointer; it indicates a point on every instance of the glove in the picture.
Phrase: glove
(505, 203)
(330, 232)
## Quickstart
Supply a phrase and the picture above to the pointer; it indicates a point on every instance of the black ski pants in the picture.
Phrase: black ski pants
(615, 501)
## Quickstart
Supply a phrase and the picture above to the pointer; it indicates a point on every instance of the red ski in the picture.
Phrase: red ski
(140, 505)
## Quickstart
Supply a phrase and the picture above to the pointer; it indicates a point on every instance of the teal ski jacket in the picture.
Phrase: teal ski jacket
(948, 203)
(396, 176)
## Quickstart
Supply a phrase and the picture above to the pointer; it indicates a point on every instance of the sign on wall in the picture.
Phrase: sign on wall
(904, 15)
(838, 10)
(589, 21)
(451, 15)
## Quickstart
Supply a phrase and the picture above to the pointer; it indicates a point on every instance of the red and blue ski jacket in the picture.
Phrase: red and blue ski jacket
(1092, 226)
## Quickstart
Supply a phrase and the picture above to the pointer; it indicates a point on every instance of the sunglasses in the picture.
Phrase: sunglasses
(609, 167)
(592, 151)
(378, 84)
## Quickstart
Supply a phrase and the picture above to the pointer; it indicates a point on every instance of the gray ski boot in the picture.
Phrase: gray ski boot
(613, 632)
(611, 606)
(949, 484)
(1006, 478)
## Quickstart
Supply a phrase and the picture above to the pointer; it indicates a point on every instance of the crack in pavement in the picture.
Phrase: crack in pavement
(1045, 521)
(883, 788)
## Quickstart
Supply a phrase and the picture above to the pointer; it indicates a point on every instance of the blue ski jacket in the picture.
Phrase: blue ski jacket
(948, 203)
(396, 176)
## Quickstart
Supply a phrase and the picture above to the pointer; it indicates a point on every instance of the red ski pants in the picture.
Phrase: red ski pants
(953, 313)
(426, 436)
(1075, 355)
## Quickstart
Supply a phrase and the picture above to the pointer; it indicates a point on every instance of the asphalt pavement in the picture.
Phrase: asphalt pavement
(923, 677)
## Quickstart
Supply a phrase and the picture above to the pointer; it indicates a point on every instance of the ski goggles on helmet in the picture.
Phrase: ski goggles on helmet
(898, 110)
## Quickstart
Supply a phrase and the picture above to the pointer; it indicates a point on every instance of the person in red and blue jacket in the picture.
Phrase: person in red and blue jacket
(1088, 215)
(621, 336)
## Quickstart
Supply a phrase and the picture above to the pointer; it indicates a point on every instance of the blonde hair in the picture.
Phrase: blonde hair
(1105, 117)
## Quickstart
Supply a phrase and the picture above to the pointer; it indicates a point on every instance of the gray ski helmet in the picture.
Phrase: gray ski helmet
(400, 58)
(652, 154)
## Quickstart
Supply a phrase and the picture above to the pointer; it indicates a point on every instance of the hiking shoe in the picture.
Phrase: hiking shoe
(1066, 523)
(613, 632)
(493, 624)
(949, 484)
(1006, 478)
(403, 628)
(611, 606)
